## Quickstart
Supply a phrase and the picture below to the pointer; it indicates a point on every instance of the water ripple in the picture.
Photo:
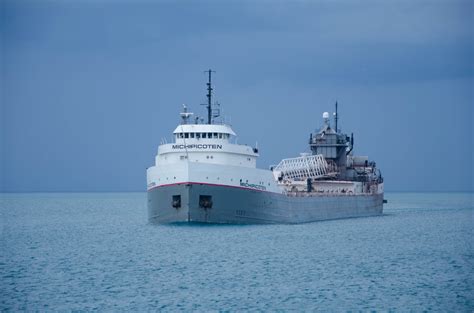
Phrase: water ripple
(97, 252)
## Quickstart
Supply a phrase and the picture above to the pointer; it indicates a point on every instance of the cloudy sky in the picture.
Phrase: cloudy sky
(89, 88)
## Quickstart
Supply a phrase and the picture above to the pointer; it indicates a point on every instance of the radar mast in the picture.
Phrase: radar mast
(209, 97)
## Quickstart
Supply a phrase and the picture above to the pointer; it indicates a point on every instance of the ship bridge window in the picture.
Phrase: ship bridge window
(220, 136)
(192, 135)
(198, 135)
(186, 135)
(181, 135)
(209, 135)
(203, 135)
(215, 135)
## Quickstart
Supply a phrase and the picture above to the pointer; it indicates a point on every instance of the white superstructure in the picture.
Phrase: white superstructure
(206, 144)
(210, 150)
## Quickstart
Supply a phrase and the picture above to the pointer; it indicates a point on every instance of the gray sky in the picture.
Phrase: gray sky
(89, 88)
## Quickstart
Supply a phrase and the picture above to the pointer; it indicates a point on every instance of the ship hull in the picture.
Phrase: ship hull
(235, 205)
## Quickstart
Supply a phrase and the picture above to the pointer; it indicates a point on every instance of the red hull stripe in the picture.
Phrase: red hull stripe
(208, 184)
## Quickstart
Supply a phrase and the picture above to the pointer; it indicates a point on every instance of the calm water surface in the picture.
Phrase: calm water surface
(96, 251)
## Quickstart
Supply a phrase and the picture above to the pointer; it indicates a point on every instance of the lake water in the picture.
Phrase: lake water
(97, 251)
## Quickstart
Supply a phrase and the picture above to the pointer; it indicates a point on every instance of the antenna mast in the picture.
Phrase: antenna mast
(209, 96)
(336, 118)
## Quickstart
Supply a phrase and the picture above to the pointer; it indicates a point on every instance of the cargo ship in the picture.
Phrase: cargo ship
(205, 176)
